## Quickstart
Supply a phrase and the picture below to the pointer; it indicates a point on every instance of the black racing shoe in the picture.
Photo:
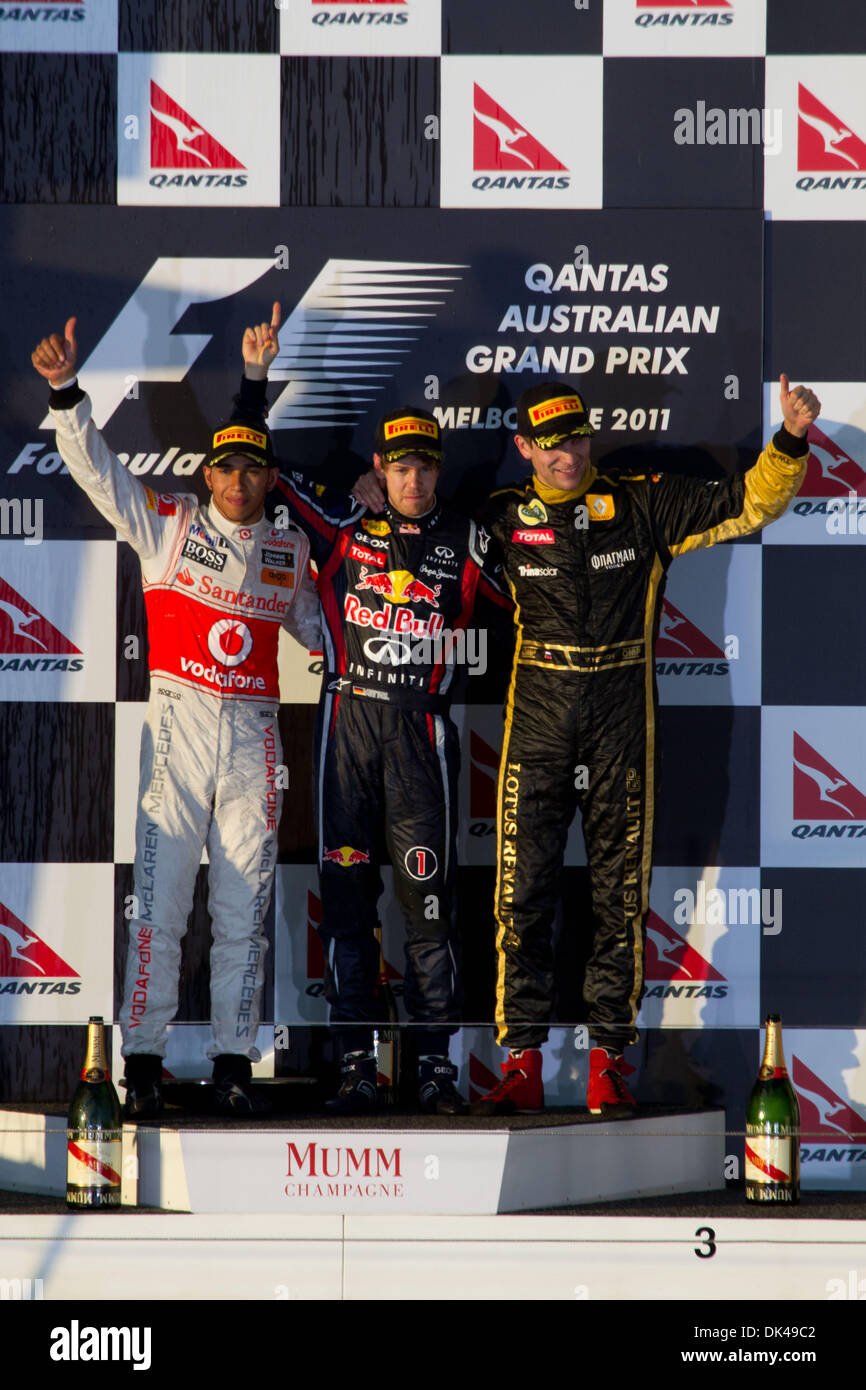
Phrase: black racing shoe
(437, 1092)
(144, 1099)
(357, 1093)
(233, 1092)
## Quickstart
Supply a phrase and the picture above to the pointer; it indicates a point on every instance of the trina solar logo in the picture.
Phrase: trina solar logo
(27, 965)
(504, 149)
(683, 650)
(826, 146)
(825, 804)
(28, 641)
(178, 141)
(828, 1124)
(671, 959)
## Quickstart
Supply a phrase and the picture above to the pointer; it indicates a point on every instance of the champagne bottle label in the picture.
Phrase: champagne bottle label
(385, 1061)
(768, 1159)
(93, 1162)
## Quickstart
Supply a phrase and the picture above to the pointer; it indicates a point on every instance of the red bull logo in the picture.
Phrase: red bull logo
(345, 856)
(399, 586)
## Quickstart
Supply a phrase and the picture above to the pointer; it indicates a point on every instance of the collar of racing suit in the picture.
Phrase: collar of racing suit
(428, 518)
(230, 528)
(556, 494)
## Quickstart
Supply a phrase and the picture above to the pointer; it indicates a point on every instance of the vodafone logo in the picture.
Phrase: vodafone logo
(230, 642)
(825, 143)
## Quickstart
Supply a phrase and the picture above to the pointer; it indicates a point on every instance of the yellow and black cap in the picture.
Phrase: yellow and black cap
(551, 412)
(409, 431)
(252, 442)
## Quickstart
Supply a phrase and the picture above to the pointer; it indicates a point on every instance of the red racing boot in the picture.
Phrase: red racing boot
(607, 1093)
(521, 1089)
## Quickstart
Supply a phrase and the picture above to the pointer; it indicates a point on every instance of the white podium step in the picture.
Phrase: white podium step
(406, 1166)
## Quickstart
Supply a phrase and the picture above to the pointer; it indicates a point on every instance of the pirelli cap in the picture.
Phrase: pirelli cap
(409, 431)
(550, 413)
(250, 441)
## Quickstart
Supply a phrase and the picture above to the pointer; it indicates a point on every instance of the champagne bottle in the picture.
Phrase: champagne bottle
(94, 1132)
(773, 1127)
(387, 1035)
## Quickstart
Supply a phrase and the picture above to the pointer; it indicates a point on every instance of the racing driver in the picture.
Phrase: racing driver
(398, 586)
(585, 554)
(219, 582)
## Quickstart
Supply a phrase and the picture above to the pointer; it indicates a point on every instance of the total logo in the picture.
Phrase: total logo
(682, 649)
(27, 965)
(28, 641)
(825, 804)
(502, 144)
(683, 971)
(828, 1124)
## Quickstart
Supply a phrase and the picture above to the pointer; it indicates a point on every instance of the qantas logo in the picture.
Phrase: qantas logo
(501, 142)
(483, 774)
(679, 637)
(821, 792)
(684, 4)
(23, 953)
(481, 1079)
(670, 957)
(831, 472)
(178, 141)
(825, 144)
(24, 630)
(824, 1114)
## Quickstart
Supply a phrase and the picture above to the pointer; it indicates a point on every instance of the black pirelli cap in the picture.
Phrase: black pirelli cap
(409, 431)
(550, 413)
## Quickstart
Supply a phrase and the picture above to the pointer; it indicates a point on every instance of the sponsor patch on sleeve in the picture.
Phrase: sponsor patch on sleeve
(600, 506)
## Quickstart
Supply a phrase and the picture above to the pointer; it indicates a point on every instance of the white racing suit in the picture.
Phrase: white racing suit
(216, 596)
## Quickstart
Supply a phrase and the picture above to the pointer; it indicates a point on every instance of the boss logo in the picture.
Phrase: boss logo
(202, 554)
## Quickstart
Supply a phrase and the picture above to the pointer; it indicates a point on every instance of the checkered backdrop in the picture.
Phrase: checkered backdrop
(662, 203)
